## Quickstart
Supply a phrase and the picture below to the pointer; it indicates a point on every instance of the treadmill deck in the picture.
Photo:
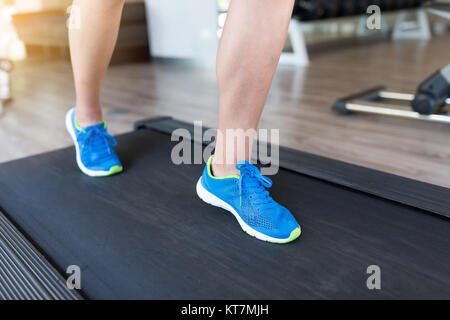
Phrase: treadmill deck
(144, 234)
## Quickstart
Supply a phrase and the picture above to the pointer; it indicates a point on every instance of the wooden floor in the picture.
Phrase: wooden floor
(299, 105)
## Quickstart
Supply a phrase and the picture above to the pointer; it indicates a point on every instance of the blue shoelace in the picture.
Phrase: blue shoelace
(253, 184)
(98, 139)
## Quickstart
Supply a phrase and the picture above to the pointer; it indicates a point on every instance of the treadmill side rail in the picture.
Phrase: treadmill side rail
(24, 271)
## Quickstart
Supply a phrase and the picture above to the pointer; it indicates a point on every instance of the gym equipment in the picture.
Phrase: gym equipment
(387, 5)
(309, 10)
(145, 234)
(429, 103)
(330, 8)
(5, 82)
(347, 8)
(361, 6)
(306, 10)
(433, 92)
(440, 9)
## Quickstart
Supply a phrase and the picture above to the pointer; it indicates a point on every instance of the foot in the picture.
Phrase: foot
(94, 148)
(246, 197)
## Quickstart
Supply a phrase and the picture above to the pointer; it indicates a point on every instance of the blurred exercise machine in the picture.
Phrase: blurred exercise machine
(5, 83)
(429, 103)
(441, 9)
(305, 10)
(311, 10)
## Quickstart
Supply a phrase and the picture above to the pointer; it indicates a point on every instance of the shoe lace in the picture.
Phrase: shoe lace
(99, 139)
(253, 184)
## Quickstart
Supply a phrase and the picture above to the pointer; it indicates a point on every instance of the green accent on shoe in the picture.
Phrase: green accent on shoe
(77, 125)
(112, 171)
(208, 165)
(115, 169)
(294, 235)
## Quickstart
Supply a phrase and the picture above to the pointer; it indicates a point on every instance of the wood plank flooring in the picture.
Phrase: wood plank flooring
(299, 105)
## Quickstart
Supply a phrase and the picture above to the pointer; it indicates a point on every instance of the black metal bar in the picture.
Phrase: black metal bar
(366, 95)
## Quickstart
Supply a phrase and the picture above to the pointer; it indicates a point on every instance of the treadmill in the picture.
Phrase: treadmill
(144, 234)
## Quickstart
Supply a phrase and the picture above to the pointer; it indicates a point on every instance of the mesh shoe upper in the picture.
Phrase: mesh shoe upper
(247, 194)
(96, 146)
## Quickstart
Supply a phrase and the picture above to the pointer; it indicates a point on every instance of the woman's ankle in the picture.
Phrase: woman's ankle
(89, 117)
(223, 170)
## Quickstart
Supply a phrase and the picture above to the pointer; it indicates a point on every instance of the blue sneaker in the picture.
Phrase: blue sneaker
(94, 148)
(246, 197)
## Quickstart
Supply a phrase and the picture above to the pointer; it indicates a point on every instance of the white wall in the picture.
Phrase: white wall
(183, 28)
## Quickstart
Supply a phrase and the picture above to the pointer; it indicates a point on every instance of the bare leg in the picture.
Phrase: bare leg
(91, 48)
(250, 48)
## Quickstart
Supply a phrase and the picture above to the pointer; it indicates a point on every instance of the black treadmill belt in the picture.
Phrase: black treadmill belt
(431, 198)
(145, 234)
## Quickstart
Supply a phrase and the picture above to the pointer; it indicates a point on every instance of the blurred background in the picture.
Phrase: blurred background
(164, 65)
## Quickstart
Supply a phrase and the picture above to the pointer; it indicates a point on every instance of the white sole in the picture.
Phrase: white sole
(69, 127)
(211, 199)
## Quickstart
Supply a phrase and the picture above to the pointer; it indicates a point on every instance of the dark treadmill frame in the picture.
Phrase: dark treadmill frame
(33, 275)
(421, 195)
